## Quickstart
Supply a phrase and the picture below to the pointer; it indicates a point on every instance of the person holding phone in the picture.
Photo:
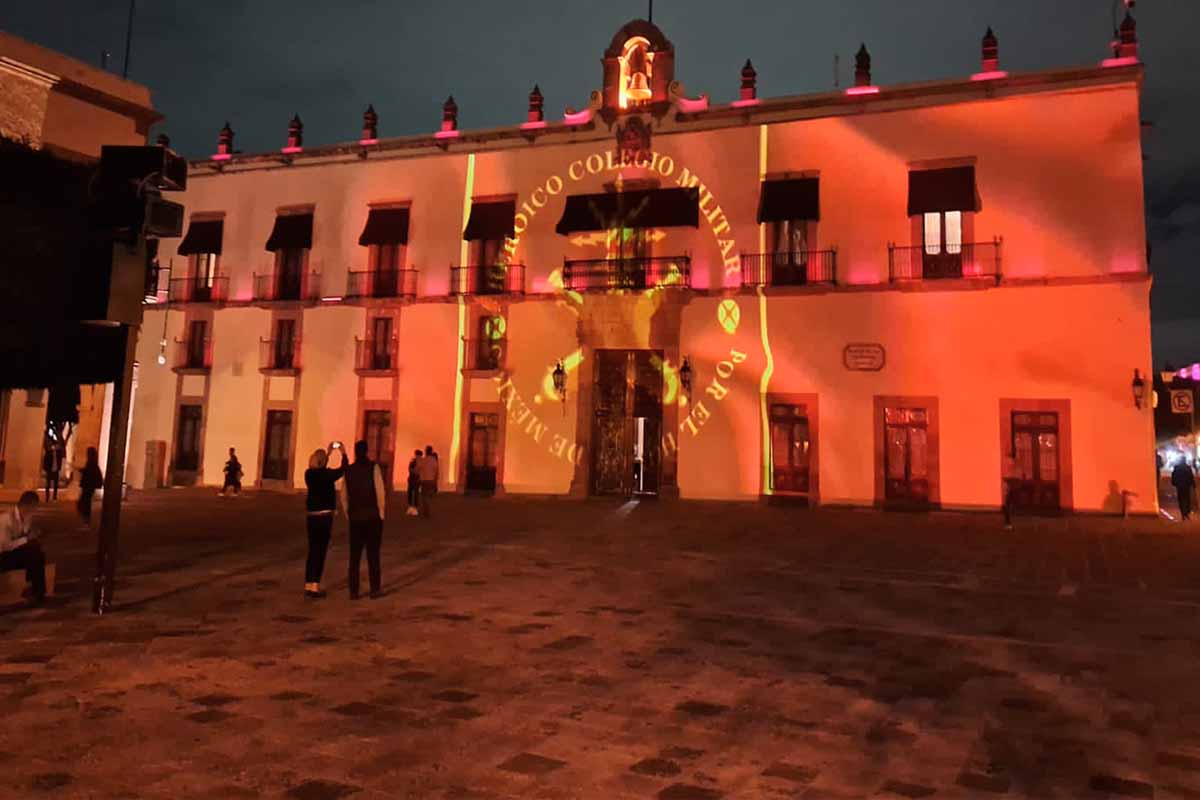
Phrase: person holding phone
(321, 504)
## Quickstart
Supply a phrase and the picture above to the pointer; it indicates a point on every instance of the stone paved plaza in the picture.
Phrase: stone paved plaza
(558, 649)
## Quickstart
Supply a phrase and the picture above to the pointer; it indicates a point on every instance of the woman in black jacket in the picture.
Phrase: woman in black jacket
(321, 504)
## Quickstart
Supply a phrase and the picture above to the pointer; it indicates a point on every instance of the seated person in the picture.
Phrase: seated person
(19, 548)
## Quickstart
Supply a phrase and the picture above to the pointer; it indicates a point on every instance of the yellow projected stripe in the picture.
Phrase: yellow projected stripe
(456, 432)
(764, 332)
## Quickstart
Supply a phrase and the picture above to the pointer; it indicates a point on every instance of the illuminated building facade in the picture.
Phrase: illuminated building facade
(893, 295)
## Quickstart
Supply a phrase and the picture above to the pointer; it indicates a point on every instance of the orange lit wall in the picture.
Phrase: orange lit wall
(1069, 321)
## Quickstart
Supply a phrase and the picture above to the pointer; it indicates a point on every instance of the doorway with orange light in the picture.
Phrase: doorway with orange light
(627, 423)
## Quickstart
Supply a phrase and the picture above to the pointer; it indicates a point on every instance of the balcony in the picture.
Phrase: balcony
(494, 279)
(382, 283)
(603, 274)
(193, 355)
(484, 355)
(375, 357)
(279, 356)
(283, 287)
(196, 290)
(980, 260)
(790, 269)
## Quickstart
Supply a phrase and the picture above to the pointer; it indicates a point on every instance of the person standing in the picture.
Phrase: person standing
(51, 466)
(1184, 481)
(414, 484)
(365, 498)
(321, 504)
(19, 547)
(90, 479)
(233, 474)
(427, 469)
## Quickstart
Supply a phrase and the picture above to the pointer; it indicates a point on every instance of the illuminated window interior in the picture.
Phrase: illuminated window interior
(205, 269)
(943, 232)
(387, 257)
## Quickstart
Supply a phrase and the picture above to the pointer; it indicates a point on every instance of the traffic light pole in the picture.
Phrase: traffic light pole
(114, 479)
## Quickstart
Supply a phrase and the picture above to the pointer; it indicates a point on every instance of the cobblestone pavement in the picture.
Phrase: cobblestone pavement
(558, 649)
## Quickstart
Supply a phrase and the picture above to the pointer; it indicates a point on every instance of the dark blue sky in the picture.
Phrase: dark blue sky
(256, 62)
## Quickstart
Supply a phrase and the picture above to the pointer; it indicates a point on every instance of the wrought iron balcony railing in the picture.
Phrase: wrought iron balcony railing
(492, 279)
(197, 290)
(382, 283)
(373, 355)
(978, 260)
(789, 269)
(279, 355)
(601, 274)
(485, 354)
(193, 355)
(279, 287)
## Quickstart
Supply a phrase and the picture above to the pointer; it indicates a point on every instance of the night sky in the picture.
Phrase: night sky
(256, 62)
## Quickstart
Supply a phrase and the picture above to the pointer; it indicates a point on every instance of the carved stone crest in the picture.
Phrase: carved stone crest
(633, 142)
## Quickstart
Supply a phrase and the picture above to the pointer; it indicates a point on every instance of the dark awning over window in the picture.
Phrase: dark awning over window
(648, 208)
(798, 198)
(203, 236)
(931, 190)
(291, 231)
(385, 226)
(491, 220)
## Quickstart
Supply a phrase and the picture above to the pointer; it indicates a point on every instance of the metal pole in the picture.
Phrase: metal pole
(128, 40)
(650, 17)
(114, 479)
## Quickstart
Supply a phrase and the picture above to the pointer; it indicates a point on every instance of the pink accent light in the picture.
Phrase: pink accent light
(222, 156)
(993, 75)
(1126, 61)
(689, 106)
(579, 117)
(366, 142)
(290, 150)
(753, 101)
(857, 90)
(532, 126)
(332, 299)
(446, 135)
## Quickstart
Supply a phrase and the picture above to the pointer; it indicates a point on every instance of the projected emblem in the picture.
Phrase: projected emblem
(729, 314)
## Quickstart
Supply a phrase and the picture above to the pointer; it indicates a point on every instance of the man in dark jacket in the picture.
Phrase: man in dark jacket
(1184, 481)
(365, 497)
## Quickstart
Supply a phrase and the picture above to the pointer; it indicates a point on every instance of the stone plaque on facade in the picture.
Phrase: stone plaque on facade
(862, 357)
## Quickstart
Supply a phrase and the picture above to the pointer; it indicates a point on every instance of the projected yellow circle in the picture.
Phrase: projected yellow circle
(729, 315)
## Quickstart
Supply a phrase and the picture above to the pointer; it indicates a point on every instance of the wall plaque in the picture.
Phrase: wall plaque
(864, 357)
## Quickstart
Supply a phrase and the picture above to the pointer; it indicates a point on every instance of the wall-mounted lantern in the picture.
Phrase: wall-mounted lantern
(560, 382)
(685, 376)
(1139, 389)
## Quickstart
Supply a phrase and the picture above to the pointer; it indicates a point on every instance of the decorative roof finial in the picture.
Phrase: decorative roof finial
(1127, 36)
(862, 66)
(749, 82)
(536, 103)
(370, 129)
(450, 114)
(163, 141)
(991, 51)
(295, 138)
(225, 141)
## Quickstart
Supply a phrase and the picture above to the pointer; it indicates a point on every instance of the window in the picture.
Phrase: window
(197, 344)
(489, 345)
(381, 343)
(377, 433)
(789, 236)
(277, 448)
(290, 274)
(284, 351)
(204, 270)
(790, 447)
(187, 439)
(906, 455)
(483, 437)
(1034, 483)
(943, 233)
